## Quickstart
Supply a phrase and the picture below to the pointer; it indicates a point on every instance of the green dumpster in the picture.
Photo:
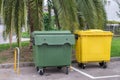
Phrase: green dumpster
(52, 48)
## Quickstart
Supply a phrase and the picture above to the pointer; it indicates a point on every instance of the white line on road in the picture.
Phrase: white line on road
(92, 77)
(107, 76)
(83, 73)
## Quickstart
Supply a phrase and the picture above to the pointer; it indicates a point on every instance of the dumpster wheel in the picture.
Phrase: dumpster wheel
(59, 67)
(79, 64)
(41, 71)
(103, 64)
(67, 70)
(82, 65)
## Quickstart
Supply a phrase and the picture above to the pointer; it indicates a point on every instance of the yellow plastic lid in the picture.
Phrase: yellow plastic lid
(94, 32)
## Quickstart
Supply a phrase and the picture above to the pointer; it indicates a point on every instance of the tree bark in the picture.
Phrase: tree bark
(10, 39)
(30, 24)
(56, 18)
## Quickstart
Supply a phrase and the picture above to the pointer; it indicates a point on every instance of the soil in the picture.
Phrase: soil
(7, 56)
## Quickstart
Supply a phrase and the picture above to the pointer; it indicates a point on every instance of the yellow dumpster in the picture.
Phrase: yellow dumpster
(93, 46)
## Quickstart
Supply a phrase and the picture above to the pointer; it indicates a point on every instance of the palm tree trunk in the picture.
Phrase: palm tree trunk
(19, 37)
(10, 39)
(49, 11)
(30, 23)
(56, 17)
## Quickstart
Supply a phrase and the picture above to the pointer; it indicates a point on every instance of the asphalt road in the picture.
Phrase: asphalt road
(92, 72)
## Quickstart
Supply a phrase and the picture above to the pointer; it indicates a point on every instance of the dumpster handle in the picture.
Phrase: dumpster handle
(17, 60)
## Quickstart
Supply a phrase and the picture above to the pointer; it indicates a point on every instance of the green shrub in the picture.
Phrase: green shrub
(25, 35)
(113, 22)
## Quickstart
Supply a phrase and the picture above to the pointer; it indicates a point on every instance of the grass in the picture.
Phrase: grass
(115, 49)
(7, 46)
(25, 35)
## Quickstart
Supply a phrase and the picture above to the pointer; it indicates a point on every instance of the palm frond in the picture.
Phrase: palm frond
(13, 13)
(7, 14)
(118, 12)
(101, 15)
(36, 14)
(92, 13)
(67, 14)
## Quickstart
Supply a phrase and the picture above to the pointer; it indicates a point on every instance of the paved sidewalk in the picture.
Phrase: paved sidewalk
(29, 73)
(13, 40)
(92, 72)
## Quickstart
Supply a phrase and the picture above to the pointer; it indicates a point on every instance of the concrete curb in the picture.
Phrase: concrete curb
(11, 65)
(26, 64)
(115, 59)
(112, 59)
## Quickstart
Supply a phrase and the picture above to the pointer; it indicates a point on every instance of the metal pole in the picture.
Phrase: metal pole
(17, 60)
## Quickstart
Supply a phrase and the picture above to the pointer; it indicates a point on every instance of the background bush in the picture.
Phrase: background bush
(25, 35)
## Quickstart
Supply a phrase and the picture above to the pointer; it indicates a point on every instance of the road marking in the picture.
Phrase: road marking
(83, 73)
(107, 76)
(92, 77)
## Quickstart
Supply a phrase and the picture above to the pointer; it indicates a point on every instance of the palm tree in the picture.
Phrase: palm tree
(69, 14)
(35, 16)
(85, 12)
(8, 20)
(66, 13)
(92, 13)
(14, 13)
(49, 13)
